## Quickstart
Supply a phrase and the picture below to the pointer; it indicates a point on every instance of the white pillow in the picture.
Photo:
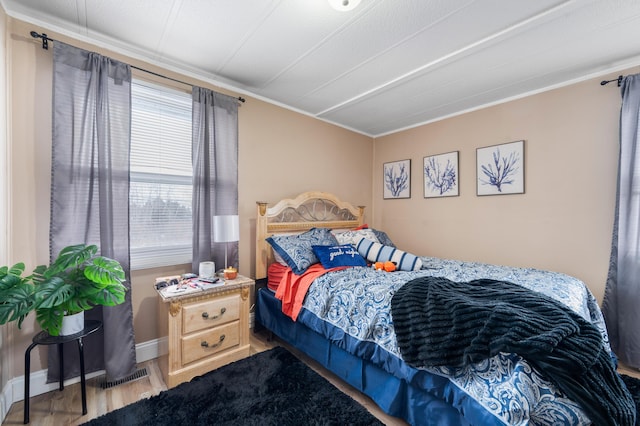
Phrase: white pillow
(376, 252)
(354, 237)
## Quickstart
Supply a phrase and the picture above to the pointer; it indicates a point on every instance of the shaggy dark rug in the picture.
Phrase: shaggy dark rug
(269, 388)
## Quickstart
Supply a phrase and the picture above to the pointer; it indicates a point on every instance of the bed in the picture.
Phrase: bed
(341, 316)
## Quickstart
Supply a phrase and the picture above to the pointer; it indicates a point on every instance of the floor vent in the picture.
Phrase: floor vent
(138, 374)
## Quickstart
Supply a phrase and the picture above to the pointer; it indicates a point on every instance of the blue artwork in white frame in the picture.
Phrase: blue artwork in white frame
(500, 169)
(397, 179)
(441, 175)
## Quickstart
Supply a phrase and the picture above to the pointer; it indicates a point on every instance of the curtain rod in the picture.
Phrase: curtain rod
(45, 45)
(619, 80)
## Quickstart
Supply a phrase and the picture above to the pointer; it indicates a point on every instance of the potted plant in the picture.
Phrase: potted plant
(76, 280)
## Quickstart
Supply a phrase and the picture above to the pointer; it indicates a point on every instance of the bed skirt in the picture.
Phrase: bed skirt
(393, 395)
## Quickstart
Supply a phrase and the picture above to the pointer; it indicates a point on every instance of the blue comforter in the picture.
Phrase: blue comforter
(352, 308)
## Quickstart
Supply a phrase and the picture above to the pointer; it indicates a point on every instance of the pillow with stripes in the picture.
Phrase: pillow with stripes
(376, 252)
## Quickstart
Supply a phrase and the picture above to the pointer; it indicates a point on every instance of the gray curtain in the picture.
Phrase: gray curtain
(215, 172)
(622, 292)
(90, 191)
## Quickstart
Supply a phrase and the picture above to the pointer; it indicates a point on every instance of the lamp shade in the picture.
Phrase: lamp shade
(226, 228)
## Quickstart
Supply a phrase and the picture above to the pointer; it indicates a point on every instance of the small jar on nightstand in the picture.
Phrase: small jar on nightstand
(205, 328)
(230, 273)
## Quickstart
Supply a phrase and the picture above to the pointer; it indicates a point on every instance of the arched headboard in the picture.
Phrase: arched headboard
(313, 209)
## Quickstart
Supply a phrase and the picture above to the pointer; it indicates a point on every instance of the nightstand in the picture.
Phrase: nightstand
(205, 329)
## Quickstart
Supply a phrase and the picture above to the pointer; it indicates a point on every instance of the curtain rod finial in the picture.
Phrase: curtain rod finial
(43, 36)
(619, 80)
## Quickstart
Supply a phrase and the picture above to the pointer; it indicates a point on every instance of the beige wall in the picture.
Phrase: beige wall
(281, 153)
(563, 221)
(5, 362)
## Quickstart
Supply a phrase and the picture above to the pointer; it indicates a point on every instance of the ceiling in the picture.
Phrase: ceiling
(385, 66)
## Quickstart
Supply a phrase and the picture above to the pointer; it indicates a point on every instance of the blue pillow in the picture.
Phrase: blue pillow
(383, 238)
(340, 255)
(376, 252)
(296, 250)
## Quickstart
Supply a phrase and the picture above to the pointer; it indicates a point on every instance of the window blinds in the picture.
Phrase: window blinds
(161, 176)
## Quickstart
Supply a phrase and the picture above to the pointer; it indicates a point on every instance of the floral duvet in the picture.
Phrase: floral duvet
(352, 308)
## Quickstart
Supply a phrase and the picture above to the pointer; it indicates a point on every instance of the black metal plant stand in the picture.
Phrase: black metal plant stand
(44, 338)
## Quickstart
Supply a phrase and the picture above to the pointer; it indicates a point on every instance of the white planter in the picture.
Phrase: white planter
(72, 324)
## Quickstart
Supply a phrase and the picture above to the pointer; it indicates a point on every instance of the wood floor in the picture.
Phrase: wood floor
(58, 408)
(64, 408)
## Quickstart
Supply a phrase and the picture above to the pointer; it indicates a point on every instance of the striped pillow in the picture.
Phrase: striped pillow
(376, 252)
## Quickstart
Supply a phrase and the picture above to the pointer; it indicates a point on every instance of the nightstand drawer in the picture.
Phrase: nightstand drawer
(207, 343)
(210, 313)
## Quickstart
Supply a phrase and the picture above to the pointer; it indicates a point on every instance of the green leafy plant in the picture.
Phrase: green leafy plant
(76, 281)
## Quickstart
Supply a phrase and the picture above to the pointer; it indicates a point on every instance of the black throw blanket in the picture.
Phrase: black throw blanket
(439, 322)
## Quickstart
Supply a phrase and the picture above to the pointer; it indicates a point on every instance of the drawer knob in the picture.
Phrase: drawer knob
(205, 315)
(204, 343)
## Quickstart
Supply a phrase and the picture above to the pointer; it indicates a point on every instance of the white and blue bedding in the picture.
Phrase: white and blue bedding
(351, 308)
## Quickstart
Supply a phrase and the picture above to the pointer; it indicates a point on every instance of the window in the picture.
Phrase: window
(161, 176)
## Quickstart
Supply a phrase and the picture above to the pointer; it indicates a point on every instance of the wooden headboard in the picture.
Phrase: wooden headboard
(308, 210)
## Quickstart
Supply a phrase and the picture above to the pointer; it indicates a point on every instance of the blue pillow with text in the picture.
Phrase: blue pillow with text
(340, 255)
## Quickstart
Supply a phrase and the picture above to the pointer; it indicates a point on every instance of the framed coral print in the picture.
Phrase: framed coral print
(441, 175)
(397, 179)
(500, 169)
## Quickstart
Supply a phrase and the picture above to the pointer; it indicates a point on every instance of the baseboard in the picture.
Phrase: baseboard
(14, 389)
(151, 349)
(4, 404)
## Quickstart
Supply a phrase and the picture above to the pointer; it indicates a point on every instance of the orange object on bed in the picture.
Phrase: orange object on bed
(275, 272)
(293, 288)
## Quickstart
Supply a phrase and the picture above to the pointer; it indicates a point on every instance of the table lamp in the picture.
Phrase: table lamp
(226, 230)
